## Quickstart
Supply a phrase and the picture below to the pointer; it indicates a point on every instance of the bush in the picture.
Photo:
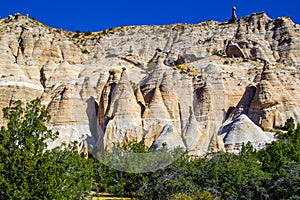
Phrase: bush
(84, 51)
(76, 35)
(151, 65)
(28, 170)
(218, 53)
(87, 33)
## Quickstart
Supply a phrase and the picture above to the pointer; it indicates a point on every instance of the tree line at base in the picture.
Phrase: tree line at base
(28, 170)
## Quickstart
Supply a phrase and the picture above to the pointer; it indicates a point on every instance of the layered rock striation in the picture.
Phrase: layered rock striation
(203, 87)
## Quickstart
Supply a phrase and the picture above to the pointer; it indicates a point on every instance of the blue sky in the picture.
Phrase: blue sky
(95, 15)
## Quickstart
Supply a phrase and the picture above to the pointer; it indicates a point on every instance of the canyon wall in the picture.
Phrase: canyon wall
(203, 87)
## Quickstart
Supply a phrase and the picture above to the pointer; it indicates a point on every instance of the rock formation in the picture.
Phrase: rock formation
(122, 115)
(201, 87)
(243, 130)
(233, 15)
(234, 50)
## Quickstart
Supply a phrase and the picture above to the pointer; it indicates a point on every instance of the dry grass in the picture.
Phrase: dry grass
(186, 69)
(106, 196)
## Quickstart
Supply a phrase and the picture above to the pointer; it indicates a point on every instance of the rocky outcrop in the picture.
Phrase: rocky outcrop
(170, 138)
(35, 43)
(122, 114)
(18, 83)
(156, 100)
(233, 15)
(234, 50)
(272, 105)
(66, 105)
(241, 131)
(267, 102)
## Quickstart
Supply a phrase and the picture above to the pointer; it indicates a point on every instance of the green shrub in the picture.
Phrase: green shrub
(207, 40)
(28, 169)
(204, 195)
(76, 35)
(151, 65)
(85, 51)
(218, 53)
(88, 33)
(228, 62)
(111, 55)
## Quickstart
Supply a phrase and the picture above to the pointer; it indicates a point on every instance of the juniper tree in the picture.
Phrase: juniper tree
(28, 169)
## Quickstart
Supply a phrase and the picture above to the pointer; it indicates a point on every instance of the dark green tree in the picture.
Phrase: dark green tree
(281, 160)
(287, 185)
(234, 176)
(28, 170)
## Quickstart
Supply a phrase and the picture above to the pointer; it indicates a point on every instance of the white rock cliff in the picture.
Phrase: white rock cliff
(202, 87)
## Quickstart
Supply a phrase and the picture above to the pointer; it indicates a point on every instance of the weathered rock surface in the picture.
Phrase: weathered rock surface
(183, 83)
(267, 102)
(123, 121)
(241, 131)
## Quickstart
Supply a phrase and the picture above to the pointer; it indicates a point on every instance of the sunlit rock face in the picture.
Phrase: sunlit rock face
(202, 87)
(241, 131)
(122, 118)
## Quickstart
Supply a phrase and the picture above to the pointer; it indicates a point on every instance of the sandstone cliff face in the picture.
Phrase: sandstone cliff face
(243, 129)
(122, 114)
(272, 104)
(267, 102)
(184, 85)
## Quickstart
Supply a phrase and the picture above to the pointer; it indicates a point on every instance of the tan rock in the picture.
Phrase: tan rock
(66, 106)
(267, 102)
(170, 99)
(94, 127)
(18, 83)
(105, 98)
(87, 91)
(59, 73)
(155, 117)
(123, 114)
(36, 60)
(272, 105)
